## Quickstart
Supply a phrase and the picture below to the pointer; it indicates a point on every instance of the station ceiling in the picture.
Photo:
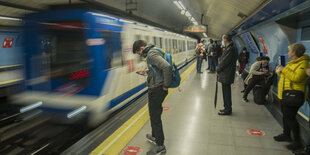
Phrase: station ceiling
(220, 16)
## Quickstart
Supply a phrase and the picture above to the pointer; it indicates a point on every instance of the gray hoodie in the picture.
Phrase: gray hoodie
(162, 67)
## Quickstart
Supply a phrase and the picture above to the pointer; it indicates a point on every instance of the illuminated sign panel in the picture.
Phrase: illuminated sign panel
(79, 75)
(195, 28)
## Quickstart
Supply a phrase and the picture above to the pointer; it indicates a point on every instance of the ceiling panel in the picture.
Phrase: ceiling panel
(221, 16)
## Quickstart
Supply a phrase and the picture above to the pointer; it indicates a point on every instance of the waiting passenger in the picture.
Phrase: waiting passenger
(158, 90)
(245, 74)
(260, 73)
(212, 56)
(226, 72)
(291, 89)
(243, 59)
(200, 49)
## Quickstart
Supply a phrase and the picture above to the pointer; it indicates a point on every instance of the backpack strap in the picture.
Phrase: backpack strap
(153, 69)
(165, 55)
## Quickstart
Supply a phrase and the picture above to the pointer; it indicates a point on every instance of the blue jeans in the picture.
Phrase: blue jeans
(199, 62)
(213, 63)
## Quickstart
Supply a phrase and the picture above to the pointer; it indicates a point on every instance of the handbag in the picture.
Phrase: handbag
(292, 97)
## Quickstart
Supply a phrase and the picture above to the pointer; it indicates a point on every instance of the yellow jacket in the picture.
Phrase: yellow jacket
(294, 75)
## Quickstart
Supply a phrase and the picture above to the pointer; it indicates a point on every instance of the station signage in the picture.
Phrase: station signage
(195, 28)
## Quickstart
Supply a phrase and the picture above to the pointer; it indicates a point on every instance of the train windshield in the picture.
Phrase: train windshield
(64, 45)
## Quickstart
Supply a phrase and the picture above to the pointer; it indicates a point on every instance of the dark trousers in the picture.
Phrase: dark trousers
(226, 89)
(241, 67)
(290, 122)
(213, 63)
(156, 98)
(199, 63)
(209, 62)
(251, 84)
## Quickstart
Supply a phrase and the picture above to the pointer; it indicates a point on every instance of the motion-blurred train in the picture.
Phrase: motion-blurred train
(80, 62)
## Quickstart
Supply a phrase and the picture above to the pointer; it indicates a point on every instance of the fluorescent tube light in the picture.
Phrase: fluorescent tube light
(188, 14)
(178, 5)
(182, 5)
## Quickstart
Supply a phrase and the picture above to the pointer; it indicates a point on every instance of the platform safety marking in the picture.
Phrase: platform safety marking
(131, 127)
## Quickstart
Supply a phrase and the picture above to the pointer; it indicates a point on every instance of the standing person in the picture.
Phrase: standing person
(211, 57)
(226, 71)
(260, 73)
(204, 53)
(243, 59)
(158, 90)
(292, 77)
(208, 53)
(200, 49)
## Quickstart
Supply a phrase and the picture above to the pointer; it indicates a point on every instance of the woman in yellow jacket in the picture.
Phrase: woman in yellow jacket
(292, 77)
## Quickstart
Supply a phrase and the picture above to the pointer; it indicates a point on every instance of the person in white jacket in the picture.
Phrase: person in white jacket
(260, 72)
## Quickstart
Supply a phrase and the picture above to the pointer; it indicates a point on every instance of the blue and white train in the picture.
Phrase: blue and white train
(80, 62)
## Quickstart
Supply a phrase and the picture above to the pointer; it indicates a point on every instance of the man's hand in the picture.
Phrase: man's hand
(165, 88)
(217, 74)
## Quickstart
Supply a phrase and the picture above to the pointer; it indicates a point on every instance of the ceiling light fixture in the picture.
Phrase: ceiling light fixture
(178, 5)
(188, 14)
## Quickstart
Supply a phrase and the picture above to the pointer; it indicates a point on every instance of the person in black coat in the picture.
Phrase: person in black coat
(226, 71)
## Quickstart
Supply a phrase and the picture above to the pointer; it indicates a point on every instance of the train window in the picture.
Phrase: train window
(137, 37)
(166, 45)
(305, 33)
(171, 46)
(147, 38)
(183, 45)
(112, 52)
(154, 41)
(64, 48)
(160, 42)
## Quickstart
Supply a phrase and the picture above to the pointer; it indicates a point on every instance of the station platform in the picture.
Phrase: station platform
(192, 125)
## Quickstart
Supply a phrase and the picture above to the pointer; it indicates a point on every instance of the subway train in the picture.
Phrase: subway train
(80, 62)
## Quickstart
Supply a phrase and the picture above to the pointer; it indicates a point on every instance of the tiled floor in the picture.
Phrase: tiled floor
(193, 127)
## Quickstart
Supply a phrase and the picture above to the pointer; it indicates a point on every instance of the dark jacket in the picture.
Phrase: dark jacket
(162, 67)
(227, 64)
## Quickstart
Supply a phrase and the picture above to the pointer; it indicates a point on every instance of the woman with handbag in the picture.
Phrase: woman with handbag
(291, 92)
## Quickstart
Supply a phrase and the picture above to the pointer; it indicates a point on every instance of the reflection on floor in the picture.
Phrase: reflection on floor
(193, 127)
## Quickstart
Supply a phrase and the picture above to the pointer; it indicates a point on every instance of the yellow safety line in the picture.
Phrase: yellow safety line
(304, 116)
(120, 138)
(9, 81)
(1, 67)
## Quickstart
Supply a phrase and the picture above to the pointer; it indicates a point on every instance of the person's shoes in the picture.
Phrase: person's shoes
(211, 72)
(242, 91)
(150, 138)
(245, 99)
(208, 69)
(156, 150)
(222, 110)
(282, 138)
(302, 151)
(294, 146)
(224, 113)
(199, 72)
